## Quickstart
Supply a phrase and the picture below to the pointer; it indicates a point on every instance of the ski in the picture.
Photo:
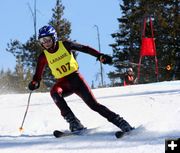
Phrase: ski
(59, 134)
(119, 134)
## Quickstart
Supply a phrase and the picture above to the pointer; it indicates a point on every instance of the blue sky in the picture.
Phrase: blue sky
(17, 23)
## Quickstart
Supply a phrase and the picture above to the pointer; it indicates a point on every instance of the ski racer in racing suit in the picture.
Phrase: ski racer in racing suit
(58, 56)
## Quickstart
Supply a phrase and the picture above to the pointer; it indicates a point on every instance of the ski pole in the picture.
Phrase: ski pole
(21, 128)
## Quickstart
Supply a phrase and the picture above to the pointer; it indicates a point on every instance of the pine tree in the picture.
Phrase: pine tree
(166, 21)
(62, 25)
(29, 51)
(63, 29)
(19, 73)
(127, 38)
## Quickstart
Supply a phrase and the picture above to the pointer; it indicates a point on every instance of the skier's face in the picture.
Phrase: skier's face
(46, 42)
(130, 72)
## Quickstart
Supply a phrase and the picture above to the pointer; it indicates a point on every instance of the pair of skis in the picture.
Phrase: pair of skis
(60, 134)
(117, 134)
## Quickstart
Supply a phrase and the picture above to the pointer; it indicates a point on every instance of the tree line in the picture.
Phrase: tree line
(125, 49)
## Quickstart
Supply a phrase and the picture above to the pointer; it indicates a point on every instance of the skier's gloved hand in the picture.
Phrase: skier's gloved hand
(33, 85)
(105, 59)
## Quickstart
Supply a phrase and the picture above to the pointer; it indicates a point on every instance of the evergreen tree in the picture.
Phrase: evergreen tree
(63, 29)
(126, 46)
(7, 81)
(19, 73)
(13, 82)
(28, 52)
(62, 25)
(166, 21)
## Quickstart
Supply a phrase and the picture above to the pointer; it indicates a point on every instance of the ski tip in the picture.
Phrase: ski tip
(119, 134)
(57, 133)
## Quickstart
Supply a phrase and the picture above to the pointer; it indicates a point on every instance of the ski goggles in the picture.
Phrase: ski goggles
(45, 40)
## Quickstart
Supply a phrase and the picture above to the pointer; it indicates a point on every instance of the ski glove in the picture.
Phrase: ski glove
(33, 85)
(105, 59)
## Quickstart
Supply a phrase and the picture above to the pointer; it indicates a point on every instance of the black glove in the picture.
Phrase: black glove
(33, 85)
(105, 59)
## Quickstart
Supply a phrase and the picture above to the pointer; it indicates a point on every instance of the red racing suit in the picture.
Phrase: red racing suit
(129, 79)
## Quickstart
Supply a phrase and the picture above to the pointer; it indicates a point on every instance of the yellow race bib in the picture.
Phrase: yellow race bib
(61, 63)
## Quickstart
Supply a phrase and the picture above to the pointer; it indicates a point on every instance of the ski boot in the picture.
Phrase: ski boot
(74, 123)
(122, 124)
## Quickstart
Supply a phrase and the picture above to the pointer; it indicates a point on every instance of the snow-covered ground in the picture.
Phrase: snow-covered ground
(154, 107)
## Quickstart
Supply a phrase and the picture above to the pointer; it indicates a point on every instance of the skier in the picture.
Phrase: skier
(129, 77)
(58, 56)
